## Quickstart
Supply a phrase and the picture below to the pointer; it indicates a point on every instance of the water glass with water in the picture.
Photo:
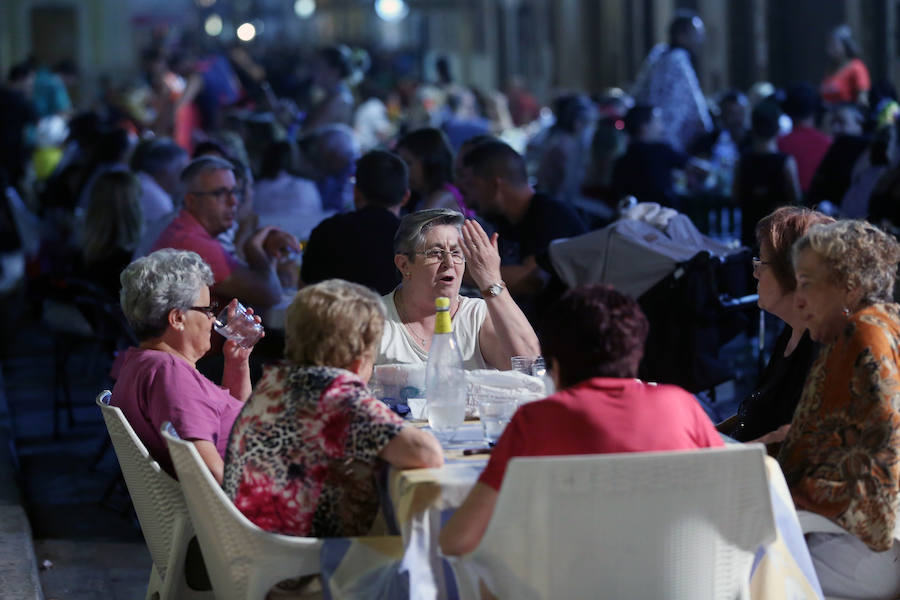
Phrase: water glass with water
(495, 414)
(238, 325)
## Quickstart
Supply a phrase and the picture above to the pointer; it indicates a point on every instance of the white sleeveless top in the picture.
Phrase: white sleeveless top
(398, 346)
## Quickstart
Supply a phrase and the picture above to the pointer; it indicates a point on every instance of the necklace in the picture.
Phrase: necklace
(401, 312)
(408, 325)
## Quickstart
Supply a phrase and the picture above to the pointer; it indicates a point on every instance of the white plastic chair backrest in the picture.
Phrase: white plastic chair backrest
(157, 498)
(243, 561)
(641, 525)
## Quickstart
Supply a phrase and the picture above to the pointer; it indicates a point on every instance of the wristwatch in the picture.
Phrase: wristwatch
(493, 290)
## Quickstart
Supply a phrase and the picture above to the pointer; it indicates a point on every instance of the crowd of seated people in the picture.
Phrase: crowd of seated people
(380, 235)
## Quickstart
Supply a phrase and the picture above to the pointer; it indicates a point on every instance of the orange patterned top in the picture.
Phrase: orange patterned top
(840, 458)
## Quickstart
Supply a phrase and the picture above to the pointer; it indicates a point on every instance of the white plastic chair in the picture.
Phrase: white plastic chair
(159, 505)
(811, 522)
(659, 525)
(242, 560)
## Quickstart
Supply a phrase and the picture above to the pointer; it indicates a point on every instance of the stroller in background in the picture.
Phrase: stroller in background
(693, 289)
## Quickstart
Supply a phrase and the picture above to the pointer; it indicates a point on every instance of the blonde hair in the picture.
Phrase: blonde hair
(859, 256)
(333, 323)
(114, 218)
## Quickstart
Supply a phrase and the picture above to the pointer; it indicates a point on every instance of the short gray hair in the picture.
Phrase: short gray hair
(154, 285)
(858, 255)
(411, 233)
(204, 164)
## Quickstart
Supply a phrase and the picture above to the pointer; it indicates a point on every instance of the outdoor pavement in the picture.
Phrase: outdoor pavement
(85, 550)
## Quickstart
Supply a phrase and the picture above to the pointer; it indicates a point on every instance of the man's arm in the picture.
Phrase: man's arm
(257, 283)
(525, 279)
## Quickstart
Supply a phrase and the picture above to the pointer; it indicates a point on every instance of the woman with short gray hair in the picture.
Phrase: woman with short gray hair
(165, 297)
(840, 455)
(432, 250)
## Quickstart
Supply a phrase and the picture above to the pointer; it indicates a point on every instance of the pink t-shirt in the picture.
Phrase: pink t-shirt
(154, 387)
(603, 416)
(186, 233)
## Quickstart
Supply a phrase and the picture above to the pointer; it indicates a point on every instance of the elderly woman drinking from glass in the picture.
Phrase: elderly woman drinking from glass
(304, 450)
(840, 457)
(165, 297)
(593, 339)
(432, 250)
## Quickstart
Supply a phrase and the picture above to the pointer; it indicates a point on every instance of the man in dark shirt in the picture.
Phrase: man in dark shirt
(359, 246)
(527, 222)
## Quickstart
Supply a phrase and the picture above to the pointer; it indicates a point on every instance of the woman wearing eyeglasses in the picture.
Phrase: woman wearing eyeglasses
(165, 297)
(433, 249)
(762, 415)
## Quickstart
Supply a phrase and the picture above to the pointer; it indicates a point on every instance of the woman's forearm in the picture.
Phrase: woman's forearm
(236, 379)
(514, 334)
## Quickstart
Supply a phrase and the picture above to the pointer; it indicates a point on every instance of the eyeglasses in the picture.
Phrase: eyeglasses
(758, 262)
(220, 194)
(437, 255)
(210, 311)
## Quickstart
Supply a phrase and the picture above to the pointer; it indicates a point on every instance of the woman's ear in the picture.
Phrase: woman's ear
(853, 296)
(176, 319)
(401, 261)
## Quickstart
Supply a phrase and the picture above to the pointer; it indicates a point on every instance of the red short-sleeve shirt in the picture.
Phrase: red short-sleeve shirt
(603, 416)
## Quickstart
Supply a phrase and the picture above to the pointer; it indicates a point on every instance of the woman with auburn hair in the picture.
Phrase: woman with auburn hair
(772, 403)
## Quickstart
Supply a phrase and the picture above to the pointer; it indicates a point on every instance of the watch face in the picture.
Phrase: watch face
(495, 289)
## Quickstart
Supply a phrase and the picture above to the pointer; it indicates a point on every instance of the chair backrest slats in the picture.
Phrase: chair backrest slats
(641, 525)
(243, 561)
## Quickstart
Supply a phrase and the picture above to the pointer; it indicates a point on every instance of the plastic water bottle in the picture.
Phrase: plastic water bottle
(445, 380)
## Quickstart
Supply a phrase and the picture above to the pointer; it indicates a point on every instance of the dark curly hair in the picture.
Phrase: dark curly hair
(594, 331)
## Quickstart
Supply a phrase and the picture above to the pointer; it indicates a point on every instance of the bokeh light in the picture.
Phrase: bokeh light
(246, 32)
(213, 25)
(305, 8)
(391, 10)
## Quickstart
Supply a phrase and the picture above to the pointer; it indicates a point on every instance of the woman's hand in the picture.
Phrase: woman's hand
(233, 351)
(773, 437)
(482, 254)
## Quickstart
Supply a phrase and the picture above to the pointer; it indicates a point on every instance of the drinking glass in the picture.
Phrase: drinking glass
(238, 325)
(521, 364)
(530, 365)
(495, 414)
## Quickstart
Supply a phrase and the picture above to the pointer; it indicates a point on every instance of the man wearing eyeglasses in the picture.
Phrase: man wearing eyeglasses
(211, 202)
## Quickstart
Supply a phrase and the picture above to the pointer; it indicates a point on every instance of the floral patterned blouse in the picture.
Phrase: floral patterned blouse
(302, 454)
(840, 458)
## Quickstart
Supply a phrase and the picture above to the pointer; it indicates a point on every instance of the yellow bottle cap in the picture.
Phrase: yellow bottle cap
(442, 303)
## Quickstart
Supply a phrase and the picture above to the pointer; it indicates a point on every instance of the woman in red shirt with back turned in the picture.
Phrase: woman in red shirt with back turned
(847, 79)
(593, 342)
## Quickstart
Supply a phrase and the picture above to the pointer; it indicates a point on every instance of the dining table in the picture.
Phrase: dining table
(416, 503)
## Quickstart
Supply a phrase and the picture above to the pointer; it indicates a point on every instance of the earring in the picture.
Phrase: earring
(845, 311)
(407, 274)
